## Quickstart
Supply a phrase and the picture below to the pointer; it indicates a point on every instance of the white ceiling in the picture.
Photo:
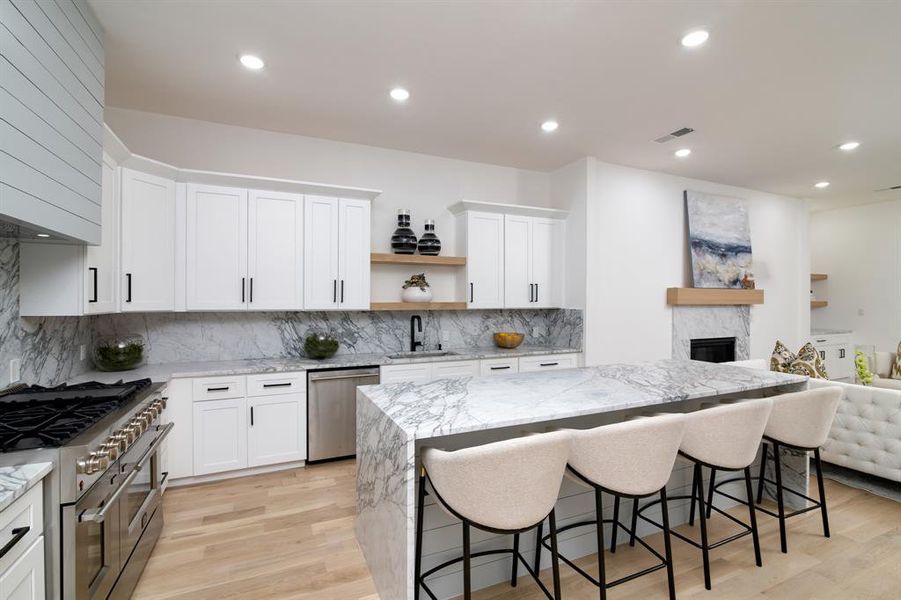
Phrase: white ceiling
(776, 87)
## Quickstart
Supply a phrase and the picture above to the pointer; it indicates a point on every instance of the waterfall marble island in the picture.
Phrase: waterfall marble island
(394, 421)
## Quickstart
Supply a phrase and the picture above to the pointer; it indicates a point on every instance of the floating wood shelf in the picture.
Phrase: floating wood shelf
(416, 259)
(417, 306)
(712, 297)
(818, 276)
(818, 304)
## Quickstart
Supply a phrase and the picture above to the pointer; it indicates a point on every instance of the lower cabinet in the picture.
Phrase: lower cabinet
(22, 557)
(220, 435)
(548, 363)
(24, 580)
(277, 431)
(837, 353)
(456, 368)
(499, 366)
(425, 372)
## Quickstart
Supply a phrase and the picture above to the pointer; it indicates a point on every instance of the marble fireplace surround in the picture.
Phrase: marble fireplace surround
(695, 322)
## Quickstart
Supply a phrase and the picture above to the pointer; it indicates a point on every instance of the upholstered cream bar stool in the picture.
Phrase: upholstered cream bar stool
(504, 487)
(633, 459)
(799, 421)
(724, 438)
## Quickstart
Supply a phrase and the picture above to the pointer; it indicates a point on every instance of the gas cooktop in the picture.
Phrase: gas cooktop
(42, 417)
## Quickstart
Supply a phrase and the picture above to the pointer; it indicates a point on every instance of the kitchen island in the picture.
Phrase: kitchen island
(393, 421)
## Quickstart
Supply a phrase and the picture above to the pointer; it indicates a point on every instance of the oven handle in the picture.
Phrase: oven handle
(98, 515)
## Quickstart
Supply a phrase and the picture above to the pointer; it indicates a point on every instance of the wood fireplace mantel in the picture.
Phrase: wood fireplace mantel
(712, 297)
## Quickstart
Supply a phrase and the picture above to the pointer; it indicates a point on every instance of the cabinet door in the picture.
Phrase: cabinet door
(275, 251)
(546, 260)
(839, 364)
(353, 254)
(550, 362)
(278, 431)
(216, 234)
(220, 435)
(148, 242)
(485, 259)
(102, 262)
(320, 253)
(418, 373)
(178, 448)
(456, 368)
(519, 287)
(24, 580)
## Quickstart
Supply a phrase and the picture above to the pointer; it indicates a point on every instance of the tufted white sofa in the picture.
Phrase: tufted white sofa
(882, 371)
(866, 432)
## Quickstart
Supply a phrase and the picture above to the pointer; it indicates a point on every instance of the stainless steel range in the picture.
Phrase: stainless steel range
(102, 499)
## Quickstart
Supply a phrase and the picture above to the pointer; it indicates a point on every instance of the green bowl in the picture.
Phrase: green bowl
(319, 346)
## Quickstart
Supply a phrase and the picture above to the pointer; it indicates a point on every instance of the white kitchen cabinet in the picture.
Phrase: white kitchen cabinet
(178, 447)
(549, 362)
(519, 287)
(277, 431)
(24, 580)
(220, 435)
(148, 242)
(482, 238)
(216, 248)
(275, 251)
(837, 353)
(101, 270)
(498, 366)
(336, 254)
(415, 373)
(533, 252)
(455, 368)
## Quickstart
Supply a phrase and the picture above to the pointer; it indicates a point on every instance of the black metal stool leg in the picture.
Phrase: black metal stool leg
(537, 564)
(779, 498)
(555, 562)
(668, 551)
(822, 488)
(753, 514)
(467, 566)
(694, 484)
(762, 473)
(710, 490)
(598, 506)
(420, 509)
(515, 559)
(634, 521)
(615, 524)
(705, 548)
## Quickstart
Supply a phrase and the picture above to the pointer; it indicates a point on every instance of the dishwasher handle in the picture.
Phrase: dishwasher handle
(343, 374)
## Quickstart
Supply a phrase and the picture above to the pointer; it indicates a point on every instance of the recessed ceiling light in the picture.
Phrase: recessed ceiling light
(399, 94)
(695, 38)
(549, 126)
(42, 235)
(254, 63)
(682, 152)
(848, 146)
(821, 184)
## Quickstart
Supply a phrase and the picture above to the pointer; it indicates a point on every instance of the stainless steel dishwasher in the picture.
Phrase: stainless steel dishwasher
(332, 411)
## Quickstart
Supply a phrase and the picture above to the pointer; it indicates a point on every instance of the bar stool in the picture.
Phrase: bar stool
(504, 487)
(723, 438)
(799, 421)
(633, 459)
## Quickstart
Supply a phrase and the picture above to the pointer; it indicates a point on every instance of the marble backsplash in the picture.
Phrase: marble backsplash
(172, 337)
(47, 346)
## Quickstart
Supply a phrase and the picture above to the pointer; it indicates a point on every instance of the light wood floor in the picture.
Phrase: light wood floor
(290, 535)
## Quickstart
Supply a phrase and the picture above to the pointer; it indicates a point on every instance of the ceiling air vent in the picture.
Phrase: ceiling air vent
(674, 135)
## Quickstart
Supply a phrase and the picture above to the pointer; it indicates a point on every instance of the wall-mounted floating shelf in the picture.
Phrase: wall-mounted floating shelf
(378, 258)
(712, 297)
(417, 306)
(818, 304)
(818, 276)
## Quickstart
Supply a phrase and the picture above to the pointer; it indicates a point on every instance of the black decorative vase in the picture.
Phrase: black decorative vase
(404, 240)
(429, 244)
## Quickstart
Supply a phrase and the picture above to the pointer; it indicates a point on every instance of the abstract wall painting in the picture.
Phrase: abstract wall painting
(720, 241)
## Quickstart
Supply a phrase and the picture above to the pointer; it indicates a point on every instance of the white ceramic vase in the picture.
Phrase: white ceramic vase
(415, 294)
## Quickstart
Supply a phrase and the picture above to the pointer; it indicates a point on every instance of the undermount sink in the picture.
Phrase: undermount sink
(422, 354)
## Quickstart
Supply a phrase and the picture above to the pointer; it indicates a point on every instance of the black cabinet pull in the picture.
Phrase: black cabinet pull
(536, 292)
(218, 389)
(500, 368)
(841, 353)
(251, 416)
(251, 289)
(272, 385)
(18, 534)
(128, 287)
(342, 291)
(242, 289)
(554, 364)
(531, 293)
(471, 292)
(93, 270)
(334, 290)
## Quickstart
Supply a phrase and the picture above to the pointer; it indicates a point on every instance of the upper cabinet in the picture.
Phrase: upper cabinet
(275, 250)
(482, 236)
(51, 118)
(148, 242)
(336, 253)
(101, 270)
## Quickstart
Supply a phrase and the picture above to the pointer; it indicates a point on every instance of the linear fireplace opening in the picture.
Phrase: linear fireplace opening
(714, 350)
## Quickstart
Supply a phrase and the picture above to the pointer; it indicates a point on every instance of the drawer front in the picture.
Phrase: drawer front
(836, 339)
(419, 373)
(457, 368)
(499, 366)
(219, 388)
(272, 384)
(26, 512)
(548, 363)
(24, 580)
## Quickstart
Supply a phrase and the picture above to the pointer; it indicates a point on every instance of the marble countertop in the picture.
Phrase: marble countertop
(829, 331)
(165, 371)
(15, 481)
(452, 406)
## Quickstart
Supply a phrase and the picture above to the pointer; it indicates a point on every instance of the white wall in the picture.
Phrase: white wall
(425, 184)
(569, 191)
(859, 248)
(637, 247)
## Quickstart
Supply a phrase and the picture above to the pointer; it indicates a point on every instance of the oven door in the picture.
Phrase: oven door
(93, 522)
(141, 468)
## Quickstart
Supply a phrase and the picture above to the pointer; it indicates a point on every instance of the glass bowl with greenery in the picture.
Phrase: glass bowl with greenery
(118, 353)
(318, 346)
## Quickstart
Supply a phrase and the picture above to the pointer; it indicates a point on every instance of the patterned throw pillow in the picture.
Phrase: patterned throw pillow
(896, 366)
(806, 362)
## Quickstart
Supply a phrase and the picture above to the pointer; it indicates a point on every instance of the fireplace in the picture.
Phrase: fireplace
(714, 350)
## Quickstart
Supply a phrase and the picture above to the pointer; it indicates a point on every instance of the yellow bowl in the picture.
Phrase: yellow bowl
(506, 339)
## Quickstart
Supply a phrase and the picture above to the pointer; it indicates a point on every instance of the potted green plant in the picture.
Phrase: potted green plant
(416, 289)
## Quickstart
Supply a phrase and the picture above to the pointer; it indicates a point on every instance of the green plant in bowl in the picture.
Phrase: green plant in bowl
(118, 353)
(319, 346)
